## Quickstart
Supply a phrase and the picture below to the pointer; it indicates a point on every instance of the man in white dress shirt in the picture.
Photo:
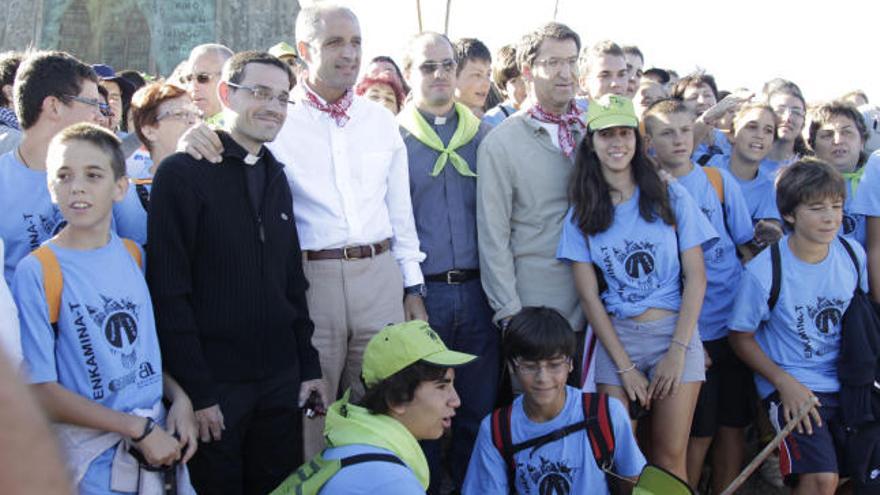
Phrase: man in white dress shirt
(347, 167)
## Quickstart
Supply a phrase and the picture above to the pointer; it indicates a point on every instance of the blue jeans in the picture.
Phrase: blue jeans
(460, 314)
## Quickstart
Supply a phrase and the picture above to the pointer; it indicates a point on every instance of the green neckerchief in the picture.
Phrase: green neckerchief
(215, 121)
(854, 178)
(349, 424)
(468, 125)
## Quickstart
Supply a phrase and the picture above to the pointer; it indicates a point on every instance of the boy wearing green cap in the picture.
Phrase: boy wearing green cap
(408, 374)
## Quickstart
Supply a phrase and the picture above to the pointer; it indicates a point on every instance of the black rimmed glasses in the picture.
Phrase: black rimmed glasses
(264, 94)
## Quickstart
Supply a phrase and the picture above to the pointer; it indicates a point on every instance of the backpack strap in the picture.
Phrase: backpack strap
(374, 457)
(716, 180)
(776, 275)
(599, 431)
(852, 256)
(135, 251)
(52, 280)
(502, 440)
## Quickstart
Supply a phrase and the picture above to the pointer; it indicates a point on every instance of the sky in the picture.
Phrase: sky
(827, 47)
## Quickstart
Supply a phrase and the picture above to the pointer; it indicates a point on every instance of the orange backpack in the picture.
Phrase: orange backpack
(53, 280)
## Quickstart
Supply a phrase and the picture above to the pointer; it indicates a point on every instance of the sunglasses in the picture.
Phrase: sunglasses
(201, 77)
(429, 68)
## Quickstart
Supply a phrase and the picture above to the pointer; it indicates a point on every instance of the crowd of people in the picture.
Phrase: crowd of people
(537, 272)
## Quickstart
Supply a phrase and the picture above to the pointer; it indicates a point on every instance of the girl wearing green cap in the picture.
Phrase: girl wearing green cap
(635, 245)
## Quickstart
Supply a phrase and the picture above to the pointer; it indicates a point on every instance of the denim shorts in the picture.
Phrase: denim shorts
(647, 343)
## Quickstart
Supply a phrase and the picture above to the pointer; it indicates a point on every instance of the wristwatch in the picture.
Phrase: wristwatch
(416, 290)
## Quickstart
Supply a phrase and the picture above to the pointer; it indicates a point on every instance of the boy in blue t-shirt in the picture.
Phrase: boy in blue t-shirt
(539, 346)
(724, 407)
(91, 350)
(53, 90)
(793, 347)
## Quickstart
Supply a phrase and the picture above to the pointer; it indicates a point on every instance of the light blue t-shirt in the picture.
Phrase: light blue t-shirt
(28, 216)
(867, 197)
(129, 215)
(771, 168)
(105, 348)
(635, 256)
(370, 478)
(564, 466)
(854, 225)
(496, 114)
(719, 142)
(760, 194)
(802, 333)
(723, 269)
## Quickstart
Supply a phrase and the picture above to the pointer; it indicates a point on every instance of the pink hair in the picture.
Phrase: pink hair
(368, 81)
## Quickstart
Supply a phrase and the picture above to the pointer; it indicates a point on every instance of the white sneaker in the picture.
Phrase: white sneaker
(770, 472)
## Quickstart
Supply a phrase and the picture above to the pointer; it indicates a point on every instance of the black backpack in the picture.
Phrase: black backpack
(597, 423)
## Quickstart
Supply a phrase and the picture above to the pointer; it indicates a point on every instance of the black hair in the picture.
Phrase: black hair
(467, 49)
(234, 68)
(590, 195)
(695, 79)
(400, 388)
(537, 333)
(660, 75)
(9, 63)
(805, 181)
(45, 74)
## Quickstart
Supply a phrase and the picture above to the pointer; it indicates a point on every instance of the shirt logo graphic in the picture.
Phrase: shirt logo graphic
(637, 258)
(118, 321)
(849, 224)
(825, 315)
(40, 227)
(550, 478)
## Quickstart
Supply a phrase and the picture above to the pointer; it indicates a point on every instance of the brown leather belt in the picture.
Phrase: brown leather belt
(351, 252)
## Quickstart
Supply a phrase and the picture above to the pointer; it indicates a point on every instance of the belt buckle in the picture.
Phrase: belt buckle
(450, 275)
(345, 255)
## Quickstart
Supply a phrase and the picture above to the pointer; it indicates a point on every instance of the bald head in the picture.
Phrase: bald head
(311, 20)
(205, 63)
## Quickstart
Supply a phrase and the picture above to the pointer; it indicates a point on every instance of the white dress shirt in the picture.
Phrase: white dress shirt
(350, 184)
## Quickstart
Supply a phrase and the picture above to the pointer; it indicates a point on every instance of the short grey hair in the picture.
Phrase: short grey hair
(216, 49)
(310, 20)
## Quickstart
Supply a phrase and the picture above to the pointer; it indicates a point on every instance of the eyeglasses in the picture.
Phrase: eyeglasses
(264, 94)
(185, 114)
(201, 77)
(794, 111)
(102, 107)
(552, 367)
(555, 64)
(429, 68)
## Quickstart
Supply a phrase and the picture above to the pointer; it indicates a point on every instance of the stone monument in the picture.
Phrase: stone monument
(148, 35)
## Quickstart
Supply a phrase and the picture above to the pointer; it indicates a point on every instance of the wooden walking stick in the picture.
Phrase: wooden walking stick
(744, 475)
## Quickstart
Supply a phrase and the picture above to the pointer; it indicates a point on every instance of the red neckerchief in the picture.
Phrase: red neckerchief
(337, 110)
(566, 122)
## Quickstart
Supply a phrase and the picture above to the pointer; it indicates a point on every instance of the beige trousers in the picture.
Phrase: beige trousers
(349, 302)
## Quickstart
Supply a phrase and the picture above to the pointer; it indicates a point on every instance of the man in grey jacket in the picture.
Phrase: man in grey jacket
(525, 164)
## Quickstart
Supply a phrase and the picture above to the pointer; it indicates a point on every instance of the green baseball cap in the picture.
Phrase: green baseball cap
(397, 346)
(282, 49)
(611, 111)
